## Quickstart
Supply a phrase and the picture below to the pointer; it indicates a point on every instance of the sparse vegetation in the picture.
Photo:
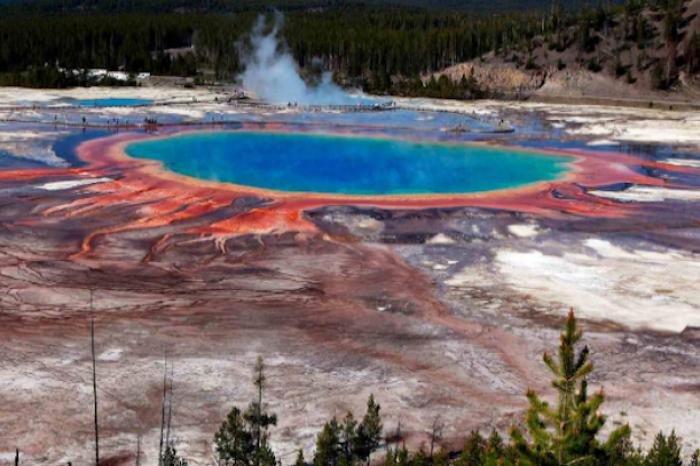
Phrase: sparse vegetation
(567, 432)
(242, 439)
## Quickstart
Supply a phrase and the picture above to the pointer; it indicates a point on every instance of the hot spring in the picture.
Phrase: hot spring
(351, 165)
(112, 102)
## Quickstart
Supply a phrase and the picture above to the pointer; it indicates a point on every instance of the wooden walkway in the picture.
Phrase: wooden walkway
(151, 124)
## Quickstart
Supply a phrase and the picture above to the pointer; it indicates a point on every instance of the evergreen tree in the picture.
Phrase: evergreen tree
(258, 420)
(619, 449)
(234, 443)
(441, 458)
(566, 433)
(265, 456)
(402, 457)
(242, 439)
(348, 440)
(473, 451)
(421, 458)
(369, 432)
(494, 453)
(328, 445)
(300, 459)
(390, 458)
(666, 451)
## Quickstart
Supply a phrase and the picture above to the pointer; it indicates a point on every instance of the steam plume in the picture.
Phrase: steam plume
(273, 75)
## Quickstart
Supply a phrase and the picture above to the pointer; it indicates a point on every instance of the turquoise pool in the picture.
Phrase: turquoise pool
(111, 102)
(352, 165)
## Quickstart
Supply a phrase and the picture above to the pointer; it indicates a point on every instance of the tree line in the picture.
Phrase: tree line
(367, 46)
(564, 433)
(167, 6)
(379, 48)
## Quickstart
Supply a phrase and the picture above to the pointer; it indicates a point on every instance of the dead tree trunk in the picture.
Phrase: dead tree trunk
(162, 414)
(170, 408)
(435, 434)
(94, 381)
(138, 449)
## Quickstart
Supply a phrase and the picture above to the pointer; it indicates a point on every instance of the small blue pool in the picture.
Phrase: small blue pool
(338, 164)
(111, 102)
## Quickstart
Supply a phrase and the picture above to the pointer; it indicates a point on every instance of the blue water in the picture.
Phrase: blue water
(65, 146)
(347, 165)
(111, 102)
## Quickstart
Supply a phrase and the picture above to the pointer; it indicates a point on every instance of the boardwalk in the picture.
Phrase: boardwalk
(150, 123)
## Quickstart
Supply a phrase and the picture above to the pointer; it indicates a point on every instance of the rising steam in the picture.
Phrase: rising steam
(273, 75)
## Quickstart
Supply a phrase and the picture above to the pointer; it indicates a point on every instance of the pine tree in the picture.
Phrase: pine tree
(566, 433)
(441, 458)
(666, 451)
(369, 432)
(619, 449)
(234, 443)
(300, 458)
(391, 457)
(421, 458)
(258, 420)
(495, 450)
(265, 456)
(242, 439)
(328, 445)
(473, 451)
(402, 458)
(348, 440)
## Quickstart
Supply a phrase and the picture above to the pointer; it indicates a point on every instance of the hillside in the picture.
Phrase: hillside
(637, 51)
